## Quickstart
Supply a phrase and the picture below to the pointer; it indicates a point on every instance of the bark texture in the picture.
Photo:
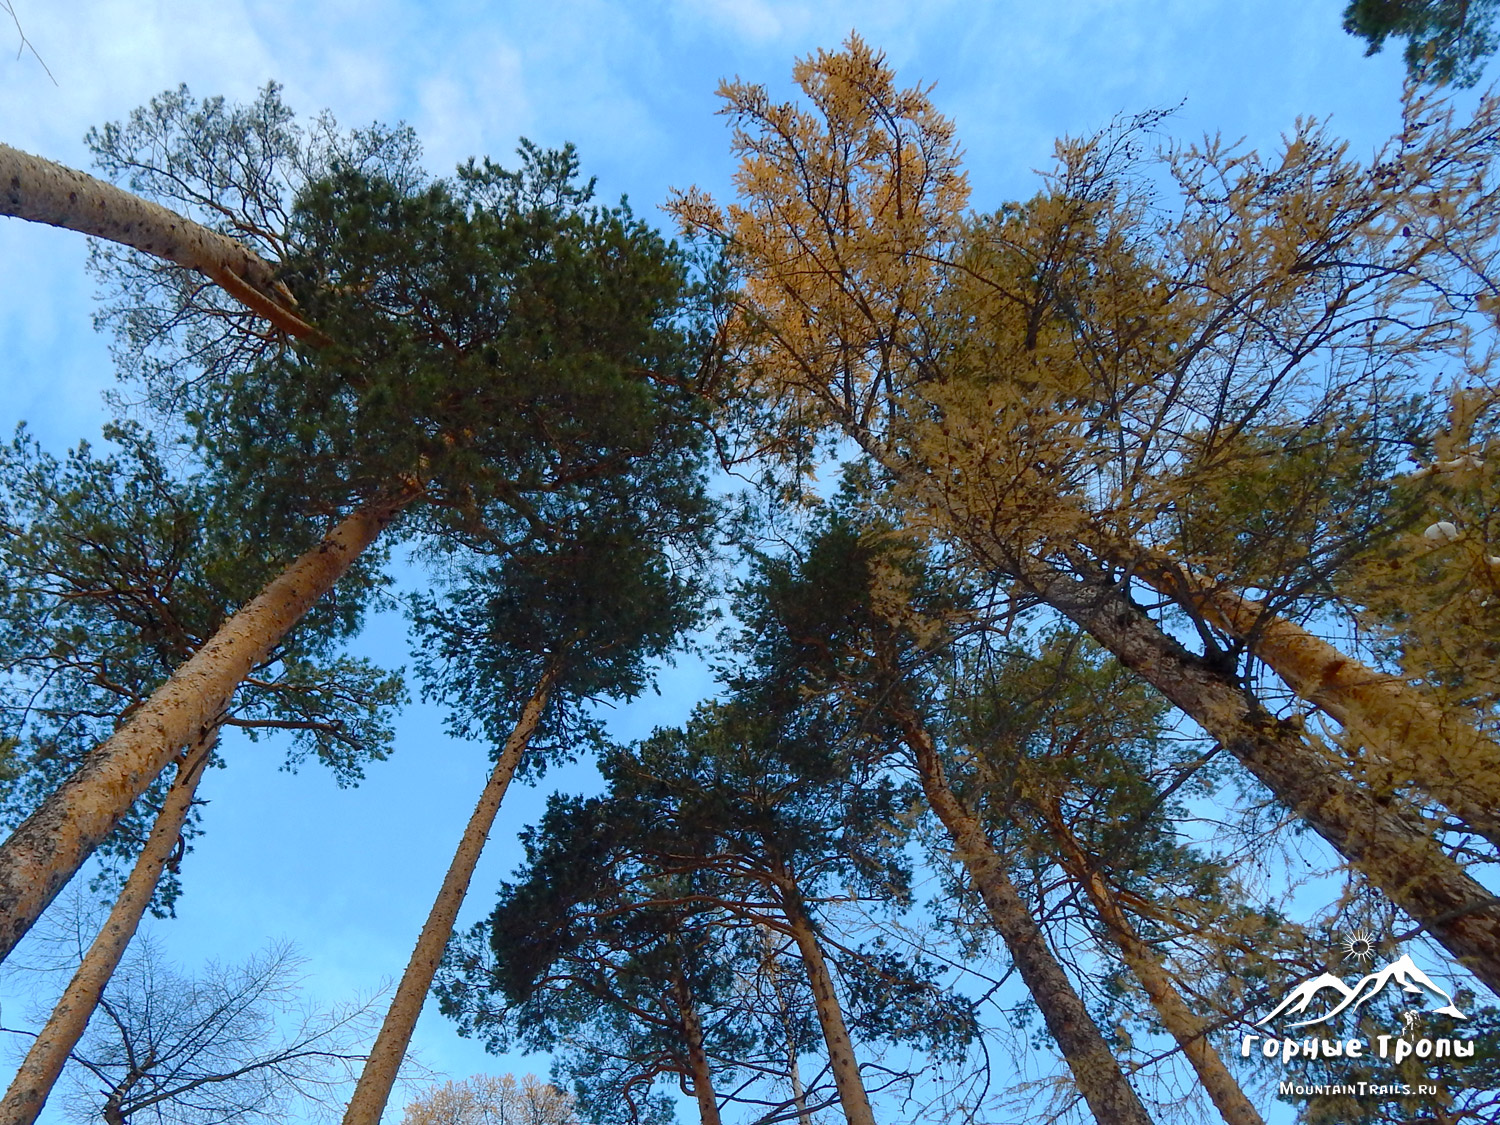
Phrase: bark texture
(703, 1077)
(1407, 737)
(50, 845)
(1189, 1031)
(379, 1074)
(44, 1062)
(1382, 837)
(1096, 1071)
(846, 1076)
(42, 191)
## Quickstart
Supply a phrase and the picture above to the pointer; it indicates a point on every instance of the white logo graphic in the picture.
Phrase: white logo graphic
(1402, 971)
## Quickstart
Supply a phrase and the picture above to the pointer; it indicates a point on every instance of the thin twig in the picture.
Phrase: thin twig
(9, 9)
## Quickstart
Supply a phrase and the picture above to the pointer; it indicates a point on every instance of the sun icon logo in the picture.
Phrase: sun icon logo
(1360, 946)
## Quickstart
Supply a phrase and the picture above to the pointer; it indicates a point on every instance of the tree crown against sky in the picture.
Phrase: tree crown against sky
(1446, 40)
(499, 334)
(619, 982)
(594, 605)
(1127, 323)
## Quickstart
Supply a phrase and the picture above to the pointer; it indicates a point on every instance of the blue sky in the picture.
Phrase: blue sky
(348, 875)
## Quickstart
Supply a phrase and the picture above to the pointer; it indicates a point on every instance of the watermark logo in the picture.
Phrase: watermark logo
(1402, 971)
(1422, 994)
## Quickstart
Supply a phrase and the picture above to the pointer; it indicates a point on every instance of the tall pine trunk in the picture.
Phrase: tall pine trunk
(70, 1017)
(46, 849)
(1181, 1022)
(846, 1076)
(703, 1077)
(379, 1074)
(1407, 738)
(1096, 1071)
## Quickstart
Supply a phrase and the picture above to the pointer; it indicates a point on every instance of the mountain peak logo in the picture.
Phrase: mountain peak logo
(1402, 971)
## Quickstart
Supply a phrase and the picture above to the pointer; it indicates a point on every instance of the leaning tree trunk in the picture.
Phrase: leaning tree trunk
(1383, 838)
(51, 844)
(846, 1076)
(42, 191)
(44, 1062)
(1096, 1071)
(379, 1074)
(703, 1075)
(1181, 1022)
(1409, 739)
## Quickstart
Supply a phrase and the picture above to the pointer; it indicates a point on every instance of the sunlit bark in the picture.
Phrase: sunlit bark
(702, 1074)
(42, 191)
(1407, 738)
(49, 846)
(1382, 838)
(379, 1074)
(70, 1016)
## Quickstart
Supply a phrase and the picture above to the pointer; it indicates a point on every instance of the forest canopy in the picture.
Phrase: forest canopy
(1099, 590)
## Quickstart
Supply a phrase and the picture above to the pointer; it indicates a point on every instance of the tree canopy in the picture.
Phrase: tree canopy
(1155, 602)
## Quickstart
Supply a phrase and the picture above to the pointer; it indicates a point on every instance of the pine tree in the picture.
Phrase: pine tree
(115, 572)
(848, 624)
(576, 616)
(744, 820)
(576, 956)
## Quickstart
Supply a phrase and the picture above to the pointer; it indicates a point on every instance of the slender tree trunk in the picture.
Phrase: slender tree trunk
(1409, 739)
(379, 1074)
(794, 1071)
(703, 1077)
(1190, 1032)
(799, 1093)
(846, 1076)
(1383, 838)
(44, 1062)
(1096, 1071)
(50, 845)
(42, 191)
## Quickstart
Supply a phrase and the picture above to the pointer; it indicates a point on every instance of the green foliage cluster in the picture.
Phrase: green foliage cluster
(1446, 40)
(116, 569)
